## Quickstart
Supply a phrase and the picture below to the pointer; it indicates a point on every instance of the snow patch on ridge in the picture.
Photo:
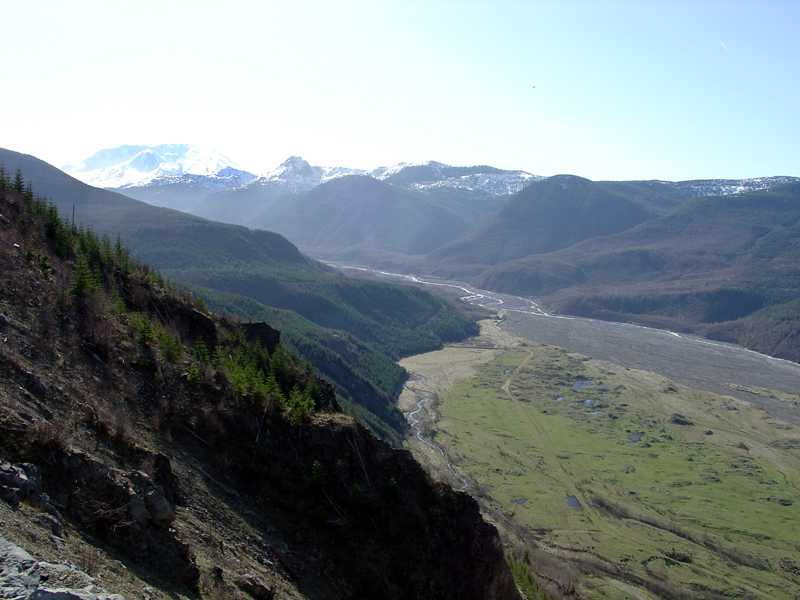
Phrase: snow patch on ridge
(726, 187)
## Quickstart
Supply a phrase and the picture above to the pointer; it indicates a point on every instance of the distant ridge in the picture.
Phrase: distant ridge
(552, 214)
(725, 187)
(725, 267)
(199, 180)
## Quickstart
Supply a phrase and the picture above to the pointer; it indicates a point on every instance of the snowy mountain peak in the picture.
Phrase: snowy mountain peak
(128, 166)
(296, 166)
(433, 175)
(295, 175)
(190, 166)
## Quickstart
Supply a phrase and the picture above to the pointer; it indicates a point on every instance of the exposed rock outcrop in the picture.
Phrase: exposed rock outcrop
(24, 578)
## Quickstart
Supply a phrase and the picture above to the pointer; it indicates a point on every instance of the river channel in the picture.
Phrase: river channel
(416, 424)
(688, 360)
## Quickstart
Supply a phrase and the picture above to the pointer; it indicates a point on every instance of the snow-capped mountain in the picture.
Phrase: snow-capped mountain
(207, 183)
(133, 166)
(295, 175)
(726, 187)
(139, 170)
(436, 176)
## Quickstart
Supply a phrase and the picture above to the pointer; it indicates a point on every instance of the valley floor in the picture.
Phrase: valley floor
(647, 487)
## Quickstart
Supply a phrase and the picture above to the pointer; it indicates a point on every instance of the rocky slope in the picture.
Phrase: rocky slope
(166, 453)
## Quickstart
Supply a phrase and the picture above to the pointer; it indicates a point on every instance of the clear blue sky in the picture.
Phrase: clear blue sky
(624, 90)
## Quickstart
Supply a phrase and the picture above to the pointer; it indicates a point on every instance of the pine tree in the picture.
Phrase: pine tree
(200, 351)
(18, 185)
(83, 280)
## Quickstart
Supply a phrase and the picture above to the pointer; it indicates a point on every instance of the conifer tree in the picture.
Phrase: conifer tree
(18, 185)
(83, 280)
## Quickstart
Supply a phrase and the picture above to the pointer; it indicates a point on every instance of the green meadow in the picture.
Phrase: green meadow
(632, 478)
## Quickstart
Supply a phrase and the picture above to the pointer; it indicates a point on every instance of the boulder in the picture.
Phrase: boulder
(677, 419)
(137, 510)
(160, 509)
(255, 586)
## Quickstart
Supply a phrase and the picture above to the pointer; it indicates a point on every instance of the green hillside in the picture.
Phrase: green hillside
(359, 212)
(552, 214)
(727, 266)
(388, 321)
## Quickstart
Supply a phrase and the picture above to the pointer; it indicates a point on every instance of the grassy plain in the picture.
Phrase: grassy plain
(632, 478)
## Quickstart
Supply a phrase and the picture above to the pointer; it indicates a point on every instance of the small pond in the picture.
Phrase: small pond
(580, 386)
(573, 502)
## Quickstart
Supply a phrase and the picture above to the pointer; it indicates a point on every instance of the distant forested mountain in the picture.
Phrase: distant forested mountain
(723, 266)
(551, 214)
(361, 213)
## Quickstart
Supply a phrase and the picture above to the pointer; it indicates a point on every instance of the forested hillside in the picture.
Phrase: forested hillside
(380, 322)
(724, 266)
(551, 214)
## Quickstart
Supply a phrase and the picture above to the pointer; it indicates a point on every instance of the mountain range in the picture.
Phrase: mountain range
(137, 168)
(208, 184)
(641, 251)
(352, 330)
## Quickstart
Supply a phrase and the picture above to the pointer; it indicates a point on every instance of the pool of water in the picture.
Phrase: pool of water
(580, 386)
(573, 502)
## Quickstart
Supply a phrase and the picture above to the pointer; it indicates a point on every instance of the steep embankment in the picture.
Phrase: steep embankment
(160, 449)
